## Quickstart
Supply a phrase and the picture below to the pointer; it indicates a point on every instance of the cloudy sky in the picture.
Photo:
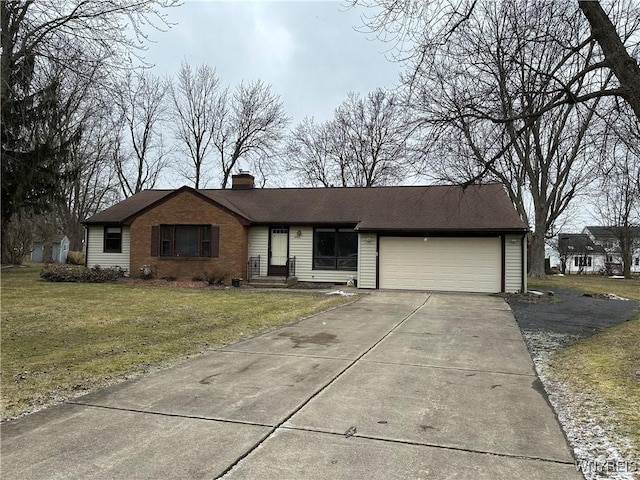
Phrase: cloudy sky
(309, 51)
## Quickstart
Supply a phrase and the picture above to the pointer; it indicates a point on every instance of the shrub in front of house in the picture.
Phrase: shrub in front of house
(216, 277)
(69, 273)
(75, 257)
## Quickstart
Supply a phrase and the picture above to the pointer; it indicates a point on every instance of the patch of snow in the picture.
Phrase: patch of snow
(535, 292)
(340, 292)
(613, 296)
(600, 451)
(617, 276)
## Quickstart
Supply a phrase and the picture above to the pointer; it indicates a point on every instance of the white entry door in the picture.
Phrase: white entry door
(279, 243)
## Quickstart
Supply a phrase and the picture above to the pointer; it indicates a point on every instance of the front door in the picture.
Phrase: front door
(278, 251)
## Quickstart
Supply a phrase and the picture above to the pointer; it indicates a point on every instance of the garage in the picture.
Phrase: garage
(457, 264)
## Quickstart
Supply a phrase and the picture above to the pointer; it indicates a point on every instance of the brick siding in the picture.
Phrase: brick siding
(189, 209)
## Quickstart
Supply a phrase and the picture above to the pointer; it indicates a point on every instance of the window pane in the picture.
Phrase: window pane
(325, 243)
(205, 241)
(165, 240)
(113, 239)
(324, 262)
(350, 263)
(186, 240)
(347, 243)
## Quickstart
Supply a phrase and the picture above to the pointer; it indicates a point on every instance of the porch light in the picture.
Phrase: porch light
(298, 234)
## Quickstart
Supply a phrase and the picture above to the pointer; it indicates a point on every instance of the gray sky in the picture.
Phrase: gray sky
(308, 51)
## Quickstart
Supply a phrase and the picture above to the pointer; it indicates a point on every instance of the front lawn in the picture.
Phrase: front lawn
(589, 283)
(60, 340)
(604, 368)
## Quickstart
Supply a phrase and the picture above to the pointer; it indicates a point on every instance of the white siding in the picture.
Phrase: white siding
(302, 248)
(259, 245)
(367, 255)
(437, 263)
(96, 254)
(513, 263)
(597, 264)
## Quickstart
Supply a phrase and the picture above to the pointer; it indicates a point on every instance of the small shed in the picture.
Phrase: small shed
(59, 248)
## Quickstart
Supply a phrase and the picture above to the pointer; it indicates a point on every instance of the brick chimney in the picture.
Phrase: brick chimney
(242, 181)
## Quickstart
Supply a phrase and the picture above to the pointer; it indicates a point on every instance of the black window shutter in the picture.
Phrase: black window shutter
(155, 240)
(215, 241)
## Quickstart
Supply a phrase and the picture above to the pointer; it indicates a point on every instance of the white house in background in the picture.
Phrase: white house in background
(579, 254)
(605, 238)
(441, 237)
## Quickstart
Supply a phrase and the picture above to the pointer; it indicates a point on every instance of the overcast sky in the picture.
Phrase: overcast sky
(309, 51)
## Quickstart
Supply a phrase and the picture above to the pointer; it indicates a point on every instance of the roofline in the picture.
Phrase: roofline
(129, 220)
(375, 187)
(440, 231)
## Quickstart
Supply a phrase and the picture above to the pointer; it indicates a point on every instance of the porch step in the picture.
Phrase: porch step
(272, 282)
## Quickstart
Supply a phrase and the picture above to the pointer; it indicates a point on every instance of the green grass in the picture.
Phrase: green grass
(59, 339)
(606, 366)
(589, 283)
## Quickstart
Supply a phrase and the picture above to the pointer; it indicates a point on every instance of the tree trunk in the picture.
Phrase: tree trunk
(537, 253)
(624, 66)
(626, 251)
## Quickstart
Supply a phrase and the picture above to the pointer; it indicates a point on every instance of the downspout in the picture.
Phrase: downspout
(86, 246)
(503, 275)
(523, 253)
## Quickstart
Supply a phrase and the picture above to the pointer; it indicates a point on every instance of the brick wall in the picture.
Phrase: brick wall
(189, 209)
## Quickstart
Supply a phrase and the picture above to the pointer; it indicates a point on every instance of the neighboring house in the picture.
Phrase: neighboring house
(579, 254)
(59, 249)
(427, 238)
(606, 238)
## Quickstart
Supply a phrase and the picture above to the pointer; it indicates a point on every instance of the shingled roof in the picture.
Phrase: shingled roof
(577, 244)
(425, 208)
(606, 233)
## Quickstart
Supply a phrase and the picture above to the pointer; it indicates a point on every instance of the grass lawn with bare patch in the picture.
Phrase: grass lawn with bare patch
(604, 367)
(60, 340)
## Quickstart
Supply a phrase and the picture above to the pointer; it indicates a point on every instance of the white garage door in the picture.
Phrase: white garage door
(445, 264)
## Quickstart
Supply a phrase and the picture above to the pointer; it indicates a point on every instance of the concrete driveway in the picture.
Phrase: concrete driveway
(396, 385)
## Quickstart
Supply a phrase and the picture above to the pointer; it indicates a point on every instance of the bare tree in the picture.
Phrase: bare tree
(91, 183)
(364, 145)
(88, 38)
(372, 134)
(197, 104)
(491, 81)
(617, 199)
(308, 154)
(421, 31)
(249, 125)
(623, 65)
(141, 154)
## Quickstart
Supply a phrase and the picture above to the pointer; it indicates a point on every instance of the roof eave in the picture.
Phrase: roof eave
(440, 231)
